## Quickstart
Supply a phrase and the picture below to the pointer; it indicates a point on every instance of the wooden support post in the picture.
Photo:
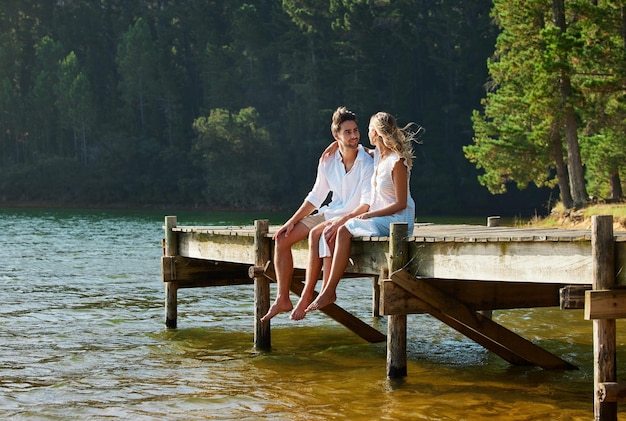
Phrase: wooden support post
(171, 288)
(384, 274)
(396, 324)
(604, 336)
(492, 221)
(262, 250)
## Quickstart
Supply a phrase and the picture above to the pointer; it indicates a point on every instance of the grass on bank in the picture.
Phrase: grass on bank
(581, 219)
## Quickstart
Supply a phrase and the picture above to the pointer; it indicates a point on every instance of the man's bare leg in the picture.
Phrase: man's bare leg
(312, 273)
(283, 266)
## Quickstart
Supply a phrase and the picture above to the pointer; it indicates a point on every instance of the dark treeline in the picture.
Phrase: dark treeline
(227, 103)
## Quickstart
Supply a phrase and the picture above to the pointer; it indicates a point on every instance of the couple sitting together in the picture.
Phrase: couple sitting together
(368, 194)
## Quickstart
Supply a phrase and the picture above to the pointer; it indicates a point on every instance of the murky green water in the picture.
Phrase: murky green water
(82, 337)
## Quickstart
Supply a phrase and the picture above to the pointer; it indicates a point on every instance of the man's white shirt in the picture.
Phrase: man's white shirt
(349, 189)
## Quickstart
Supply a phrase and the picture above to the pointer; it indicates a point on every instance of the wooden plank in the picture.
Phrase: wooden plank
(485, 327)
(191, 272)
(605, 304)
(542, 262)
(573, 297)
(474, 294)
(472, 252)
(218, 247)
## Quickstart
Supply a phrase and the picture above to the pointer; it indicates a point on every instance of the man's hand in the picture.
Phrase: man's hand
(286, 229)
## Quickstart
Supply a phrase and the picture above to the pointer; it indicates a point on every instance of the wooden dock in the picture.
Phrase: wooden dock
(456, 273)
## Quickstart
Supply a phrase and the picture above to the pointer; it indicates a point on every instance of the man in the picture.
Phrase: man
(347, 174)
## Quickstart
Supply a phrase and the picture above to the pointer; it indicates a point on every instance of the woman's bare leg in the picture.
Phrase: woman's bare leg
(339, 264)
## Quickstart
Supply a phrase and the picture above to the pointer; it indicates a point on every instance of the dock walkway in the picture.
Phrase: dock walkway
(456, 273)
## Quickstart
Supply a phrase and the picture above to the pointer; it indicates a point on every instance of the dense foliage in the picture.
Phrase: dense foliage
(555, 113)
(227, 103)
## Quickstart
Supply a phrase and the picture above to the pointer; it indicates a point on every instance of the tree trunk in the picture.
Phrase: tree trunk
(561, 168)
(574, 161)
(616, 186)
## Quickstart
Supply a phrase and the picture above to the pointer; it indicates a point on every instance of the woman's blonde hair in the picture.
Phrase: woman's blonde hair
(399, 140)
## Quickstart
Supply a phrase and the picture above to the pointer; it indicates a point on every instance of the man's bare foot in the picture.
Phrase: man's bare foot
(277, 307)
(298, 313)
(322, 300)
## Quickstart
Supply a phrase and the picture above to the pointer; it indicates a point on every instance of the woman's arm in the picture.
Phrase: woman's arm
(329, 151)
(400, 176)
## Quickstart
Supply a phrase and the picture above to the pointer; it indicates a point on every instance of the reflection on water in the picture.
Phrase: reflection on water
(82, 337)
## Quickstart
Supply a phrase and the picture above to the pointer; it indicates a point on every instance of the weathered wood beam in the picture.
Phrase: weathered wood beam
(475, 294)
(611, 392)
(572, 297)
(444, 307)
(604, 330)
(262, 253)
(605, 304)
(191, 272)
(514, 261)
(397, 324)
(489, 344)
(171, 289)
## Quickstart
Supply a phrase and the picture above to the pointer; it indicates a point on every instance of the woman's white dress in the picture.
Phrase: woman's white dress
(383, 194)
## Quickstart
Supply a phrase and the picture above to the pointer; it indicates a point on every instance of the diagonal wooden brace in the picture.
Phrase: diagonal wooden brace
(496, 338)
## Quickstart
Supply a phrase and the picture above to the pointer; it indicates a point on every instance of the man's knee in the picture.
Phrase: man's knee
(284, 243)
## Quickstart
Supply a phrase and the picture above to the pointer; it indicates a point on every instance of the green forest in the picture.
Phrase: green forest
(226, 104)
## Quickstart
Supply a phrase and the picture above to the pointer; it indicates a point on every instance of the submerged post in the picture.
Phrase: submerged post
(171, 288)
(262, 251)
(396, 324)
(604, 335)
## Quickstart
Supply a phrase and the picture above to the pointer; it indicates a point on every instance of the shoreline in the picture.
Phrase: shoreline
(126, 206)
(581, 219)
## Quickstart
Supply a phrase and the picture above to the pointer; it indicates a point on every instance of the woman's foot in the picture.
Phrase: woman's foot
(322, 300)
(299, 312)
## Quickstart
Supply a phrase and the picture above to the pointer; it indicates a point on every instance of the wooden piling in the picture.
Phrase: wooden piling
(171, 288)
(492, 221)
(604, 335)
(384, 274)
(262, 253)
(396, 324)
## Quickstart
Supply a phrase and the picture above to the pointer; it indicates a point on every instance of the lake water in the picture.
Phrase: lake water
(82, 336)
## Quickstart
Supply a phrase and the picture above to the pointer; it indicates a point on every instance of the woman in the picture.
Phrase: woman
(391, 200)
